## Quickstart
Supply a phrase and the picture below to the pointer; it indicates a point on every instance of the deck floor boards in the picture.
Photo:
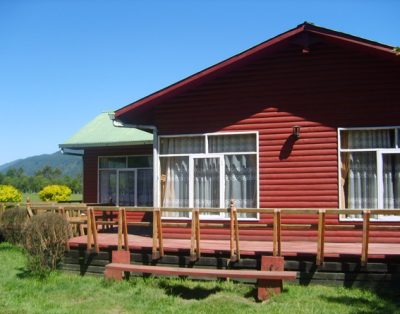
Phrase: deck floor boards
(289, 248)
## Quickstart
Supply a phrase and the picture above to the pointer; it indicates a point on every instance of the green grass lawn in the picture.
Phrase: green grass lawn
(68, 293)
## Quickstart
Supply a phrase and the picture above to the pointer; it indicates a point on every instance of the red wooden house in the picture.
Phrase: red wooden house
(307, 119)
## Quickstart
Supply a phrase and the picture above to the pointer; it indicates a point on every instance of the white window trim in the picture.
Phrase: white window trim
(211, 155)
(379, 153)
(117, 174)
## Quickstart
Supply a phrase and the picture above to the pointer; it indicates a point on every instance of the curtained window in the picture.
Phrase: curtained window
(126, 180)
(208, 171)
(370, 169)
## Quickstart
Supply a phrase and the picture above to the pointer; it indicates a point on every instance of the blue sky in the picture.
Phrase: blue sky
(63, 62)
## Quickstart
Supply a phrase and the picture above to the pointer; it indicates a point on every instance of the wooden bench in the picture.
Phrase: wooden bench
(269, 282)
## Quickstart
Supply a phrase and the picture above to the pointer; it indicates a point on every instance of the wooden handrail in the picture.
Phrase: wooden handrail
(322, 224)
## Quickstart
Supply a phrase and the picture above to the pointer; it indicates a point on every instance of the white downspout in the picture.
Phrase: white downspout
(153, 128)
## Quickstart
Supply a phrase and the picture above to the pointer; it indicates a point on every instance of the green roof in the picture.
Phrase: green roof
(102, 132)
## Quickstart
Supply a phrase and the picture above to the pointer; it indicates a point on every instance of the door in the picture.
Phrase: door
(126, 187)
(389, 187)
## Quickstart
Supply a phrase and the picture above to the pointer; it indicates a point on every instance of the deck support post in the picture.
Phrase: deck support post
(234, 238)
(277, 247)
(267, 288)
(365, 237)
(195, 236)
(158, 248)
(321, 237)
(122, 230)
(92, 230)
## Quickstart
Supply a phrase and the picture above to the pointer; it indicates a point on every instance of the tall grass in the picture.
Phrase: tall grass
(20, 292)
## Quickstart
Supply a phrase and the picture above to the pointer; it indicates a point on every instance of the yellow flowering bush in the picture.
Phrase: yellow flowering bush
(8, 193)
(55, 193)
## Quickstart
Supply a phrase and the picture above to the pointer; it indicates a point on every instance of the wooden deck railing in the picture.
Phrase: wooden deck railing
(83, 217)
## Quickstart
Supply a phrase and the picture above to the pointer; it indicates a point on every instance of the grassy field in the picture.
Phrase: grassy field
(68, 293)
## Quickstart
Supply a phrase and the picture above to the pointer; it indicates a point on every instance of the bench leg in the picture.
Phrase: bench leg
(123, 257)
(113, 274)
(267, 288)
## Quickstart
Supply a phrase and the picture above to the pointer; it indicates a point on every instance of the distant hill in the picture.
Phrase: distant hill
(69, 165)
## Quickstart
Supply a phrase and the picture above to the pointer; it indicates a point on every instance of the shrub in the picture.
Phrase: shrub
(12, 224)
(8, 193)
(55, 193)
(46, 237)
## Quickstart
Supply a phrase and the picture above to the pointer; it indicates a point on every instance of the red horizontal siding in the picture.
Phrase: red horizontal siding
(328, 88)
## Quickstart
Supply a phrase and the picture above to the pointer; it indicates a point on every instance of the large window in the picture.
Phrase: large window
(126, 180)
(207, 171)
(370, 169)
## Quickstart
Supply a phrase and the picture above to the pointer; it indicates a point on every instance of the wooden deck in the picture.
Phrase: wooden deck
(250, 248)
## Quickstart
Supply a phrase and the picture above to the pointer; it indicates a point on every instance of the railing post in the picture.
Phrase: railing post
(92, 231)
(28, 207)
(277, 249)
(365, 237)
(158, 249)
(234, 228)
(195, 236)
(125, 229)
(122, 230)
(89, 230)
(119, 229)
(321, 236)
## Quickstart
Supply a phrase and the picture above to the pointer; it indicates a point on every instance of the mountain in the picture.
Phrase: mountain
(69, 165)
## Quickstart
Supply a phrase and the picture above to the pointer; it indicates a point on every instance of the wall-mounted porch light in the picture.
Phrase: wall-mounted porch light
(296, 131)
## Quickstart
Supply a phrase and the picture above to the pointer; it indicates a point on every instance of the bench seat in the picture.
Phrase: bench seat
(266, 278)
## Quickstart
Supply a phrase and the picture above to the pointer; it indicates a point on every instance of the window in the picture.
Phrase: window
(370, 169)
(207, 171)
(126, 180)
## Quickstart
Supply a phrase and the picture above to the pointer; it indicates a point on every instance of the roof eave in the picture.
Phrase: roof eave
(92, 145)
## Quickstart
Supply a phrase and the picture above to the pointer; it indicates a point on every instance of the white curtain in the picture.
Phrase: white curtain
(369, 138)
(182, 145)
(232, 143)
(241, 182)
(362, 181)
(206, 182)
(391, 181)
(240, 171)
(362, 185)
(175, 186)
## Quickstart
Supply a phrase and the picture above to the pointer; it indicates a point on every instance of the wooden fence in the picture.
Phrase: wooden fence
(85, 219)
